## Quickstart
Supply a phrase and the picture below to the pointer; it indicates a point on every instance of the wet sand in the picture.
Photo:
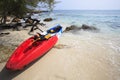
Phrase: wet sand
(72, 58)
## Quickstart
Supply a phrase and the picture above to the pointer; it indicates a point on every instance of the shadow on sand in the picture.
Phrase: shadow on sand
(9, 75)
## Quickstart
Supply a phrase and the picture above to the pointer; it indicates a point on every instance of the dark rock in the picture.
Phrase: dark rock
(75, 28)
(48, 19)
(86, 27)
(72, 27)
(3, 34)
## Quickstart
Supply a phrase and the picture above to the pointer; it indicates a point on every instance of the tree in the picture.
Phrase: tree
(19, 8)
(50, 4)
(12, 7)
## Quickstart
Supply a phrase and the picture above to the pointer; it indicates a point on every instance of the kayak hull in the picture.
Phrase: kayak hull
(28, 51)
(25, 53)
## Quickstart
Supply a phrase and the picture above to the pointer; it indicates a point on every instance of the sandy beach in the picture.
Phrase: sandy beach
(74, 57)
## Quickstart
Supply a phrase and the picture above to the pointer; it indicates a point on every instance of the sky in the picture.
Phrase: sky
(88, 5)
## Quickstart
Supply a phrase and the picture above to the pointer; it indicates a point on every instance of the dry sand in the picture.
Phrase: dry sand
(72, 58)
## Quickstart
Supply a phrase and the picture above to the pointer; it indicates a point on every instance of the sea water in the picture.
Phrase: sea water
(102, 19)
(107, 21)
(96, 54)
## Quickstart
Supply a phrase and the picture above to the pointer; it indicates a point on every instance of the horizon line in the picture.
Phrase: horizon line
(87, 9)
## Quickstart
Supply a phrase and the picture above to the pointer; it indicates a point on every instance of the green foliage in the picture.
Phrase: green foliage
(12, 7)
(19, 8)
(50, 4)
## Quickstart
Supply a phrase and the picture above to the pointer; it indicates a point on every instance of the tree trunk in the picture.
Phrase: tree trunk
(1, 20)
(4, 19)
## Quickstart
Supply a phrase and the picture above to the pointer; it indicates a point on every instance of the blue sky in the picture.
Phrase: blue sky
(88, 5)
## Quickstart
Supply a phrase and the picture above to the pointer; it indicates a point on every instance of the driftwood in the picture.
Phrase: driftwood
(10, 26)
(16, 23)
(33, 23)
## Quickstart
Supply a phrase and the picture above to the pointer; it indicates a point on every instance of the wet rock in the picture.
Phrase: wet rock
(48, 19)
(87, 27)
(72, 27)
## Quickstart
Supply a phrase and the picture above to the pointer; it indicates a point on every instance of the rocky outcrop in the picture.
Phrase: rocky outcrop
(48, 19)
(87, 27)
(72, 27)
(83, 27)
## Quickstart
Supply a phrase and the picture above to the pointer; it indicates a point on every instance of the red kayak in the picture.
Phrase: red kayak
(27, 52)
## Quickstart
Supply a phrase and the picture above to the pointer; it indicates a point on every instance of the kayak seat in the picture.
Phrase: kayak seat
(54, 30)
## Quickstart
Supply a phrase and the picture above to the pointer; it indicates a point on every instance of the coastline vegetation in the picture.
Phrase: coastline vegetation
(19, 8)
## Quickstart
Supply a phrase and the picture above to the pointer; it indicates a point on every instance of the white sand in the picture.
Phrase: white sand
(72, 58)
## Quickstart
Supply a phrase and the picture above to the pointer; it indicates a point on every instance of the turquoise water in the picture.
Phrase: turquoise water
(106, 20)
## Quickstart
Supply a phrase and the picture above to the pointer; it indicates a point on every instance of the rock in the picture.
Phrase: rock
(48, 19)
(75, 28)
(3, 34)
(86, 27)
(72, 27)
